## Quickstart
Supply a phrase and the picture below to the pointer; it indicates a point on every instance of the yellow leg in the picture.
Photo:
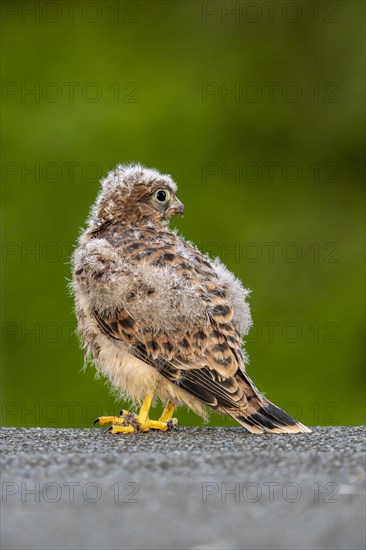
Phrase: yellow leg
(167, 413)
(143, 415)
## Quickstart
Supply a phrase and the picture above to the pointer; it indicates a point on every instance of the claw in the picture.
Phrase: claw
(119, 420)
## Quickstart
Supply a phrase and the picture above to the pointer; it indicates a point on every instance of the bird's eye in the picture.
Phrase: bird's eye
(162, 195)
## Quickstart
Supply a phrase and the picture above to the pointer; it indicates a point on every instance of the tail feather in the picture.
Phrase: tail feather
(260, 415)
(264, 416)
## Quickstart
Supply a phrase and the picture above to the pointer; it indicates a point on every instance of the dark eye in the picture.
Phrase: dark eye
(162, 195)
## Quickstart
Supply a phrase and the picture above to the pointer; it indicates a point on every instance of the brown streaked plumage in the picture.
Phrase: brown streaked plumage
(158, 317)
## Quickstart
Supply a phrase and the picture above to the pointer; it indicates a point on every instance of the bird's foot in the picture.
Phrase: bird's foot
(119, 424)
(115, 420)
(135, 423)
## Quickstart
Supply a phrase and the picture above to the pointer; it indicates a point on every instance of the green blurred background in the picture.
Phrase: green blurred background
(273, 91)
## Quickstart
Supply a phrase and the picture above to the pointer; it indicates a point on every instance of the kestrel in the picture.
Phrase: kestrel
(159, 318)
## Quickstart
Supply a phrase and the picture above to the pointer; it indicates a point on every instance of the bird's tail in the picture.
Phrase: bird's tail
(260, 415)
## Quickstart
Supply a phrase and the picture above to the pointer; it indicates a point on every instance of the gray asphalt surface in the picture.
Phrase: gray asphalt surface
(193, 488)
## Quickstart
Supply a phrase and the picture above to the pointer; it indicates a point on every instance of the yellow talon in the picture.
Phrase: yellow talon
(153, 425)
(122, 429)
(128, 423)
(110, 420)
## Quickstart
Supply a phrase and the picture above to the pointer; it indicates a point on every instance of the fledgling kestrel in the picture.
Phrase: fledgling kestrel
(158, 317)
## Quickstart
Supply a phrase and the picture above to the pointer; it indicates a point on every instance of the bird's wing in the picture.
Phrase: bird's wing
(204, 363)
(197, 349)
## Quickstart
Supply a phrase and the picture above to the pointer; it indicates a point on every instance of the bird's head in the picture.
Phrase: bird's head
(136, 196)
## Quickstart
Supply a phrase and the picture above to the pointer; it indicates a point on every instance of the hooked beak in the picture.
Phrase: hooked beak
(177, 209)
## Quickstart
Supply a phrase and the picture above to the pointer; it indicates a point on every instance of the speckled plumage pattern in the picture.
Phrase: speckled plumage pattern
(158, 316)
